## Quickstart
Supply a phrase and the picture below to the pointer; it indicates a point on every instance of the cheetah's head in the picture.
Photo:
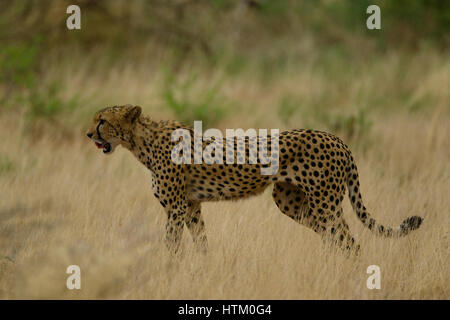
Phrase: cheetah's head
(113, 126)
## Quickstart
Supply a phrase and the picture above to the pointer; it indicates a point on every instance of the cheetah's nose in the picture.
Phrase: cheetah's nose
(89, 135)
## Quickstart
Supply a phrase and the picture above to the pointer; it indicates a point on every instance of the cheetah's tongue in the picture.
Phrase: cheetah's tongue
(100, 145)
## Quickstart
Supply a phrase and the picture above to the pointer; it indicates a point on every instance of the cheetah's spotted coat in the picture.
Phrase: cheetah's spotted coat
(315, 169)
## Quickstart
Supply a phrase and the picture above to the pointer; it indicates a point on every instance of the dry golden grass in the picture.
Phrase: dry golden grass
(63, 202)
(67, 203)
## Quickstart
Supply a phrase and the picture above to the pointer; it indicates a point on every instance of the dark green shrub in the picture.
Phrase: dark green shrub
(188, 106)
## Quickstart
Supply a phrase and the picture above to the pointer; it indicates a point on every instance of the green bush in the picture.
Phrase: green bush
(188, 106)
(6, 164)
(48, 103)
(19, 71)
(18, 64)
(287, 107)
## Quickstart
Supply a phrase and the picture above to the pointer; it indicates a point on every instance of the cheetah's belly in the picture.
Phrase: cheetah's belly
(227, 182)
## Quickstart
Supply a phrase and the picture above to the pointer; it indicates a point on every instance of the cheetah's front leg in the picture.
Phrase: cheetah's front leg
(174, 227)
(196, 226)
(172, 198)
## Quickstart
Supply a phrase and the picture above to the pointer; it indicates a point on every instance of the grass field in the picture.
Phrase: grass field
(63, 202)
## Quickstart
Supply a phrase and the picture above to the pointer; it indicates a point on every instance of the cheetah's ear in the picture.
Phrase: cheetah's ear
(133, 113)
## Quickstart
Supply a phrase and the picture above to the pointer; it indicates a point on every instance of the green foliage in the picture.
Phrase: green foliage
(189, 104)
(274, 8)
(221, 4)
(206, 24)
(287, 108)
(427, 20)
(6, 259)
(265, 40)
(6, 165)
(18, 63)
(232, 63)
(48, 104)
(354, 126)
(351, 126)
(19, 71)
(419, 104)
(431, 15)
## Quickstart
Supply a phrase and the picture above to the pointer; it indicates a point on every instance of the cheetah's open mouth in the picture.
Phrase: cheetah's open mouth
(106, 146)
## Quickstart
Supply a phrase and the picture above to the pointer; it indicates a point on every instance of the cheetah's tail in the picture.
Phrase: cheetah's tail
(408, 225)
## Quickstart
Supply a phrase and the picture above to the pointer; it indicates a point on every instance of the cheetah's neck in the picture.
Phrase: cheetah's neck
(142, 139)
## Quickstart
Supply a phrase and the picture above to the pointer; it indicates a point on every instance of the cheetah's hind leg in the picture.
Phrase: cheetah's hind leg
(339, 234)
(291, 201)
(294, 203)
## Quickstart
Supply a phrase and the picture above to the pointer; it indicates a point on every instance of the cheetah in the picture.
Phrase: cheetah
(315, 169)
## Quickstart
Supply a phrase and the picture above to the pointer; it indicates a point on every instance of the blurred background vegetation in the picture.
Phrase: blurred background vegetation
(231, 63)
